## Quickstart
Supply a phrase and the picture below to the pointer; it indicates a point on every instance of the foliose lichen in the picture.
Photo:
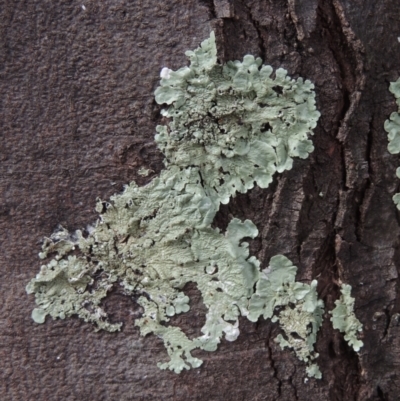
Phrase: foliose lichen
(392, 127)
(300, 314)
(238, 123)
(344, 319)
(229, 127)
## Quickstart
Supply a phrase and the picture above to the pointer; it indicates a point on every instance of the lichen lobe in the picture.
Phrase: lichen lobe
(344, 319)
(392, 127)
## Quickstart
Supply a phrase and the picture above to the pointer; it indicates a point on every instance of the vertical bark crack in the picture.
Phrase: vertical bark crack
(347, 51)
(256, 25)
(295, 19)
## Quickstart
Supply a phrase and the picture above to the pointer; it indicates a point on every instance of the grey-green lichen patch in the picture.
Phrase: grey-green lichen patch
(229, 127)
(239, 123)
(344, 319)
(61, 291)
(392, 127)
(153, 240)
(300, 310)
(144, 172)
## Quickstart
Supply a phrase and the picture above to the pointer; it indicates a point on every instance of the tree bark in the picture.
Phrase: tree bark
(78, 121)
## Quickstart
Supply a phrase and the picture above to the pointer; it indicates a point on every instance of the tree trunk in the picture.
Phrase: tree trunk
(78, 121)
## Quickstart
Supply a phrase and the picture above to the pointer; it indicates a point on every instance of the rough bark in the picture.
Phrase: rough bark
(77, 121)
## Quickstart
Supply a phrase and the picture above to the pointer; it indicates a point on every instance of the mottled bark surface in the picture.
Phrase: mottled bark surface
(77, 121)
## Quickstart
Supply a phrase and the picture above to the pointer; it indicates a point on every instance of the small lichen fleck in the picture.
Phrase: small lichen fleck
(229, 127)
(344, 319)
(144, 172)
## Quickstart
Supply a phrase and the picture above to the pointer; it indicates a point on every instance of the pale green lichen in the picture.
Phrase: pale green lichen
(344, 319)
(392, 127)
(144, 172)
(229, 127)
(235, 122)
(300, 314)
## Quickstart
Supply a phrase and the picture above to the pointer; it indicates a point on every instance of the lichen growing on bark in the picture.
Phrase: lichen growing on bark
(344, 319)
(392, 127)
(229, 127)
(300, 314)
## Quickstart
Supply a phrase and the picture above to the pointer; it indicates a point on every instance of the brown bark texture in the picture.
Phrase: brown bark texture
(78, 119)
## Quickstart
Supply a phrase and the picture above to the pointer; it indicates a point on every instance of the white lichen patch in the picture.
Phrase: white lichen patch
(344, 319)
(229, 127)
(392, 127)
